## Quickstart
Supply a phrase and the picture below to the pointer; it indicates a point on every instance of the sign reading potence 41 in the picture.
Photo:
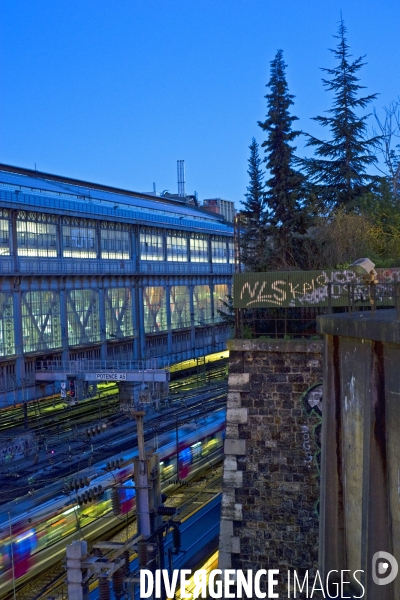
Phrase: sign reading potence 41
(110, 376)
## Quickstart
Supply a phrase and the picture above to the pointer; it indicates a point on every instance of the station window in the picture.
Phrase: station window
(219, 251)
(118, 313)
(83, 317)
(231, 250)
(156, 346)
(115, 244)
(198, 249)
(151, 246)
(177, 248)
(180, 307)
(201, 305)
(181, 338)
(79, 238)
(7, 344)
(4, 235)
(155, 314)
(120, 351)
(7, 376)
(92, 354)
(221, 300)
(41, 327)
(36, 234)
(30, 368)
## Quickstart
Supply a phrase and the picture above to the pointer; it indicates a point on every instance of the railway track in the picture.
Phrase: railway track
(56, 416)
(73, 455)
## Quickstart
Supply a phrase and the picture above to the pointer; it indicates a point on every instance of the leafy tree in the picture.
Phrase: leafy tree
(335, 241)
(382, 209)
(252, 217)
(284, 190)
(339, 168)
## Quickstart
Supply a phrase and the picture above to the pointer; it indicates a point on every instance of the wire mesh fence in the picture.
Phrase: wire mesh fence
(301, 321)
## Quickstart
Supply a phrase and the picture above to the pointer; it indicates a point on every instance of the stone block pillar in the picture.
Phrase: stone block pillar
(269, 516)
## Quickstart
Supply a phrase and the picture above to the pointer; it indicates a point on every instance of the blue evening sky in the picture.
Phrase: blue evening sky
(117, 91)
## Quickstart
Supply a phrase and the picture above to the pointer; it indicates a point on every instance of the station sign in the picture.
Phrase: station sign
(111, 377)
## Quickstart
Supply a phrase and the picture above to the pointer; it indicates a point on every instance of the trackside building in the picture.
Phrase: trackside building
(93, 272)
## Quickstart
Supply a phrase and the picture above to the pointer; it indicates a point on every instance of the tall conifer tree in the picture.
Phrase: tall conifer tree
(254, 204)
(339, 168)
(253, 242)
(284, 188)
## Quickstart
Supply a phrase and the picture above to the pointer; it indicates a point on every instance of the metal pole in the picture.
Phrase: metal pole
(349, 297)
(237, 322)
(372, 297)
(397, 299)
(329, 297)
(141, 480)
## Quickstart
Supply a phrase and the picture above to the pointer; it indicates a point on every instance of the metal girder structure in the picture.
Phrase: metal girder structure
(101, 371)
(83, 315)
(157, 375)
(41, 322)
(7, 343)
(118, 316)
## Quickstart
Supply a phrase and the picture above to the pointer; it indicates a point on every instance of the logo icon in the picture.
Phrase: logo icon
(384, 568)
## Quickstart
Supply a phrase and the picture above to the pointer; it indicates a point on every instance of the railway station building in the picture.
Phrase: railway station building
(93, 272)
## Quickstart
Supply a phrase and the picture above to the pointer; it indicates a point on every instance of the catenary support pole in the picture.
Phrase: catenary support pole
(75, 553)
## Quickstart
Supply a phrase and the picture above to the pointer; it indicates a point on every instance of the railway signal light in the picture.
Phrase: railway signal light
(72, 391)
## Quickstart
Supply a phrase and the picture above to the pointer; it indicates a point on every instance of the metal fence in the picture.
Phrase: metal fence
(300, 321)
(93, 266)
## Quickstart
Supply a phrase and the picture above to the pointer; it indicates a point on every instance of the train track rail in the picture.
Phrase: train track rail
(57, 417)
(73, 458)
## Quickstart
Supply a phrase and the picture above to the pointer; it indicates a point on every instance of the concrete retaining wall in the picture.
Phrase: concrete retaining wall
(360, 469)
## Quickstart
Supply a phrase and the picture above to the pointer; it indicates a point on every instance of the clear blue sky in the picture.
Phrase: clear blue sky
(117, 91)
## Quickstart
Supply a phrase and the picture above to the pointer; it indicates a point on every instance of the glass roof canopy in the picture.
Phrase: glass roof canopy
(74, 198)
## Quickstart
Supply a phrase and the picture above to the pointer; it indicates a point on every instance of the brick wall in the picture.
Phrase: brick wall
(271, 472)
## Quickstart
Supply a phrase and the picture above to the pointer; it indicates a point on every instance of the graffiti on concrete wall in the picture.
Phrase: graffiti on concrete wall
(18, 447)
(305, 288)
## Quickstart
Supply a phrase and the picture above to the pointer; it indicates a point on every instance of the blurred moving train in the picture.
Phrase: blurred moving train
(26, 538)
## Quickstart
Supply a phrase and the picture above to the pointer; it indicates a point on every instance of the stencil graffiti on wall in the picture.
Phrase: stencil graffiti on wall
(313, 398)
(310, 433)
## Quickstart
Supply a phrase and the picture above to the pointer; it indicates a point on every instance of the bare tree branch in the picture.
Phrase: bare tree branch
(389, 144)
